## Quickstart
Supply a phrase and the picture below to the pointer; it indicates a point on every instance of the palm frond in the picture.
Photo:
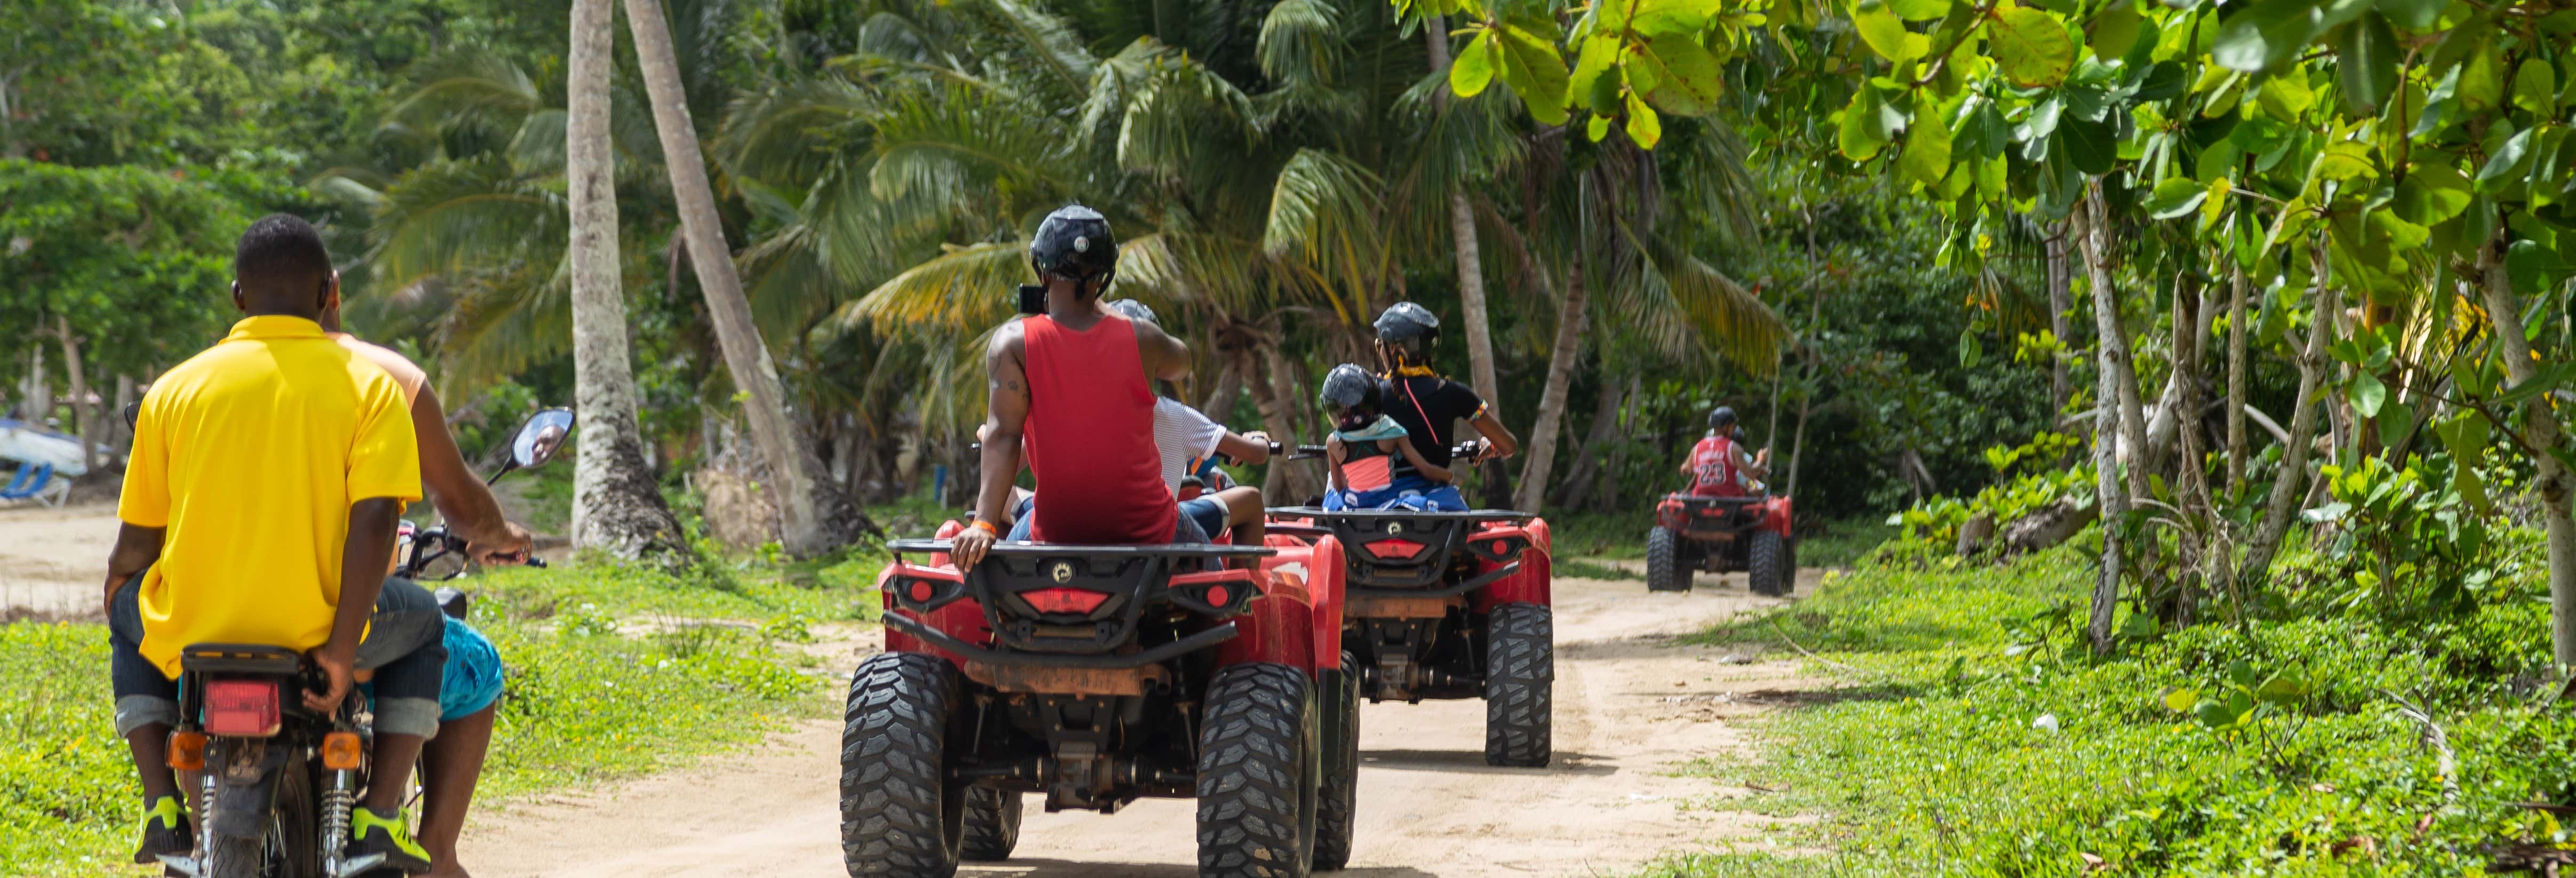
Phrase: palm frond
(963, 287)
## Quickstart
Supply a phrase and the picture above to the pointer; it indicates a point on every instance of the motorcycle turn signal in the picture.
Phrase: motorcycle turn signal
(187, 751)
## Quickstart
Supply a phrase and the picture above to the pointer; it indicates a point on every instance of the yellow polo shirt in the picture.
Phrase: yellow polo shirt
(250, 454)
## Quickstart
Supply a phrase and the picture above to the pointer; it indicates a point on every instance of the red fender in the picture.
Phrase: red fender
(1775, 516)
(1274, 631)
(1326, 579)
(1533, 584)
(963, 620)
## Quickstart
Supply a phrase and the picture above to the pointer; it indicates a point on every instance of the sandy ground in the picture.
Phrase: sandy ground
(53, 561)
(1631, 705)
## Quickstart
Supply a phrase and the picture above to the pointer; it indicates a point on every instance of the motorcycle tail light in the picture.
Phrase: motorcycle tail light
(188, 751)
(1064, 600)
(340, 751)
(242, 708)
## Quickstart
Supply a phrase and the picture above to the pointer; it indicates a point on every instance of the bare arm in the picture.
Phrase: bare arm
(1006, 417)
(1428, 471)
(1253, 449)
(466, 502)
(1164, 357)
(136, 549)
(1333, 454)
(368, 552)
(1752, 467)
(1504, 444)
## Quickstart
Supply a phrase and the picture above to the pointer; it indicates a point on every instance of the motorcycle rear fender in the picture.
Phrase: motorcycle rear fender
(1534, 584)
(245, 772)
(1278, 630)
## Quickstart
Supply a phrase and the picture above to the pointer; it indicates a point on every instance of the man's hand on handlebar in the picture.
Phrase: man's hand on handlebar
(511, 546)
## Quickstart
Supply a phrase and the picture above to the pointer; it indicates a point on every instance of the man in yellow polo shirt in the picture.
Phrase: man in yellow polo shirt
(267, 476)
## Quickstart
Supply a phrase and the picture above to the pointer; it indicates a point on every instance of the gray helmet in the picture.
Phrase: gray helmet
(1134, 310)
(1349, 387)
(1074, 243)
(1410, 327)
(1721, 418)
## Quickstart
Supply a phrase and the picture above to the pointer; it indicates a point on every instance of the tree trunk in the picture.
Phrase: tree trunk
(40, 393)
(1462, 234)
(1798, 435)
(617, 507)
(1219, 405)
(123, 431)
(814, 515)
(1611, 490)
(81, 425)
(2113, 429)
(2539, 430)
(1570, 318)
(2286, 487)
(1590, 464)
(2236, 383)
(2060, 321)
(1286, 483)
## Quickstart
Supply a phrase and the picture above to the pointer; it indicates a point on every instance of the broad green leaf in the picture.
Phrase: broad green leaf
(1919, 10)
(2031, 45)
(2533, 268)
(2366, 56)
(2113, 31)
(2344, 161)
(1644, 126)
(1599, 52)
(1598, 128)
(2535, 88)
(2214, 204)
(2241, 672)
(2175, 197)
(2181, 700)
(2540, 382)
(2286, 96)
(2481, 85)
(1926, 158)
(2432, 193)
(1534, 69)
(2367, 395)
(1865, 129)
(1881, 29)
(2265, 34)
(1474, 67)
(2282, 689)
(2413, 14)
(2091, 147)
(1665, 17)
(1688, 78)
(2506, 158)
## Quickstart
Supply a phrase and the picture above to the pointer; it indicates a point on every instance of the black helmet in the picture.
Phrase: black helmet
(1721, 418)
(1409, 327)
(1074, 243)
(1350, 387)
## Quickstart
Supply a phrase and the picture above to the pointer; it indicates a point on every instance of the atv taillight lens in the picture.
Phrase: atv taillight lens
(1064, 600)
(1395, 548)
(1217, 596)
(242, 708)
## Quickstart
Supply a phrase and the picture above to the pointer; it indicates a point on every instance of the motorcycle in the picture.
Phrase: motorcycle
(278, 781)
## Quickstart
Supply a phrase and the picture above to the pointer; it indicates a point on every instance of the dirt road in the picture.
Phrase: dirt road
(1630, 706)
(52, 561)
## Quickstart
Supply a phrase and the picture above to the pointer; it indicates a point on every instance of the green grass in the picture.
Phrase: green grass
(1938, 759)
(591, 696)
(1842, 542)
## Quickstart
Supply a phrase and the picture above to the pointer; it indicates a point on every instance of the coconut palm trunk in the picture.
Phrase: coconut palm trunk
(2539, 430)
(1551, 400)
(806, 500)
(617, 506)
(1462, 233)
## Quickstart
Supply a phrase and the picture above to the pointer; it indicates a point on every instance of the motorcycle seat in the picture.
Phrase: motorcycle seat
(240, 658)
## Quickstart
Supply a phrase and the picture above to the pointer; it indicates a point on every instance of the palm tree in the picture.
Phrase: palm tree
(617, 508)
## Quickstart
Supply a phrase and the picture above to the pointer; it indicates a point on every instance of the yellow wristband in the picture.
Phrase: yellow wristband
(988, 527)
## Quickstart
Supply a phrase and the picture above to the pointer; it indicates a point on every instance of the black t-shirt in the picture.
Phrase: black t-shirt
(1429, 408)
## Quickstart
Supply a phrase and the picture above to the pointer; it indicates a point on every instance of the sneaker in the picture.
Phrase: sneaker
(165, 832)
(387, 833)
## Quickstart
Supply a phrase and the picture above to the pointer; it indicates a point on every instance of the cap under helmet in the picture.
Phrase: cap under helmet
(1074, 243)
(1350, 387)
(1720, 417)
(1134, 310)
(1409, 326)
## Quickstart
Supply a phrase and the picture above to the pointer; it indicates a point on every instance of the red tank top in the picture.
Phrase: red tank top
(1090, 437)
(1713, 463)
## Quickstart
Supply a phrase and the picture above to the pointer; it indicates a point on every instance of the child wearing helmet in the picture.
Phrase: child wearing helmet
(1374, 462)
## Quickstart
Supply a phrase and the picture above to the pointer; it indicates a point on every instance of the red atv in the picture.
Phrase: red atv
(1445, 605)
(1719, 535)
(1093, 676)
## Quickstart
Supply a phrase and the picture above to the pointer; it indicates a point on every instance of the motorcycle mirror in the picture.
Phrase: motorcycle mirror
(133, 412)
(540, 437)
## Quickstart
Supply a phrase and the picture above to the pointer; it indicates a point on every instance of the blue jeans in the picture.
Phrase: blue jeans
(1407, 493)
(403, 647)
(1184, 530)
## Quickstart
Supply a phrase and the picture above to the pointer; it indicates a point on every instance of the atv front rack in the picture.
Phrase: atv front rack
(1406, 552)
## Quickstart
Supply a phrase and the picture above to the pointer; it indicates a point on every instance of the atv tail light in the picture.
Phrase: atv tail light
(921, 591)
(188, 751)
(340, 751)
(242, 708)
(1064, 600)
(1217, 596)
(1395, 548)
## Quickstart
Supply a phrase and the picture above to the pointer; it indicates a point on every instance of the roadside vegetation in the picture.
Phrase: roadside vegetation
(1974, 732)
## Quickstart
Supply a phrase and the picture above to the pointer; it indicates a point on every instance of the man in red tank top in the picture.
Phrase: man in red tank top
(1071, 388)
(1718, 465)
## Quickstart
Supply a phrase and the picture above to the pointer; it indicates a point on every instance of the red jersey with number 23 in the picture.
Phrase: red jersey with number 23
(1713, 465)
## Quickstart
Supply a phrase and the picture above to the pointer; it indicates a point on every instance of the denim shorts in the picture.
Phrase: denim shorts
(1208, 512)
(403, 648)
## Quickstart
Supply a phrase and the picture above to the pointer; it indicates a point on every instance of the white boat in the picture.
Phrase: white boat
(28, 443)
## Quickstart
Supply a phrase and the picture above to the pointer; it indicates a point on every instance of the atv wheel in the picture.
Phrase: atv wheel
(899, 816)
(1337, 805)
(1764, 573)
(1256, 774)
(1664, 568)
(1520, 685)
(992, 825)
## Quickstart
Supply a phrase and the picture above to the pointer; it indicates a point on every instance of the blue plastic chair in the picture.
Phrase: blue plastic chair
(30, 481)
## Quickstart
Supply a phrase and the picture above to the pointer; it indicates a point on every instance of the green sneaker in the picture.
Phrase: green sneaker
(165, 832)
(387, 833)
